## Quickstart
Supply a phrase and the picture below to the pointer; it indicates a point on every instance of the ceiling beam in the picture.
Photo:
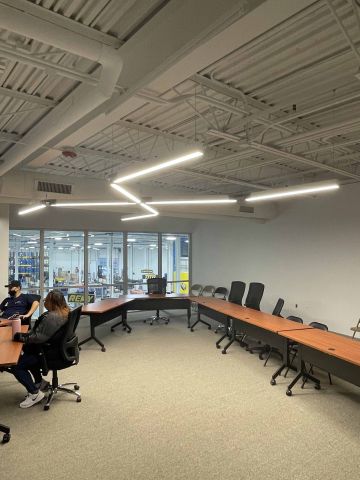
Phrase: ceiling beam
(26, 97)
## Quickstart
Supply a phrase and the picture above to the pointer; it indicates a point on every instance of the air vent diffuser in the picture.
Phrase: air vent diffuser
(53, 187)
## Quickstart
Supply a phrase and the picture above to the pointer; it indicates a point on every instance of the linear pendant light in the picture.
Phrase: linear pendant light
(304, 189)
(160, 166)
(193, 202)
(138, 217)
(127, 194)
(31, 209)
(92, 204)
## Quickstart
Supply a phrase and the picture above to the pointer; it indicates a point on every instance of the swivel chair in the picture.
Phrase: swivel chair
(157, 286)
(62, 351)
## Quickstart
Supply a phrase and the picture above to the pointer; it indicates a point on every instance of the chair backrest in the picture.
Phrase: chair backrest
(278, 307)
(320, 326)
(156, 285)
(237, 290)
(295, 319)
(208, 291)
(62, 350)
(196, 289)
(254, 296)
(221, 292)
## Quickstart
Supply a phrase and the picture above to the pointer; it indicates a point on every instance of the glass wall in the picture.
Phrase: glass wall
(175, 261)
(142, 251)
(105, 259)
(96, 263)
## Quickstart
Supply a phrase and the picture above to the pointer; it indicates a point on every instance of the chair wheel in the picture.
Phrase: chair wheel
(273, 381)
(103, 349)
(78, 399)
(317, 386)
(261, 357)
(223, 352)
(209, 328)
(144, 321)
(129, 331)
(76, 387)
(191, 329)
(46, 407)
(288, 393)
(111, 329)
(6, 437)
(218, 346)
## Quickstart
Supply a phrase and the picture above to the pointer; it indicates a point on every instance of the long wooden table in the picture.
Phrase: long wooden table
(329, 351)
(9, 355)
(111, 308)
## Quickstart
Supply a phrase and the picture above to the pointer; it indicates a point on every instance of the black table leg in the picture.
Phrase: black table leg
(201, 321)
(93, 337)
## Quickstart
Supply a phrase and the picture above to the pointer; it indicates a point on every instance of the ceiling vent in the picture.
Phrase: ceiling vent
(53, 187)
(246, 209)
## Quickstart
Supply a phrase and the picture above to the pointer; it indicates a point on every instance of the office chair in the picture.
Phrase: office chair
(220, 292)
(356, 329)
(62, 351)
(320, 326)
(157, 286)
(207, 291)
(293, 347)
(236, 295)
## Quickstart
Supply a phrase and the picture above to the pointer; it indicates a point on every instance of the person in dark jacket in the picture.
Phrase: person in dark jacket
(27, 371)
(18, 303)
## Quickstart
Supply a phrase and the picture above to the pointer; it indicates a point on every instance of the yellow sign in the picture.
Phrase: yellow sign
(184, 285)
(80, 298)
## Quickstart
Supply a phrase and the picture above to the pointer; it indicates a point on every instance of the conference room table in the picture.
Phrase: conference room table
(110, 308)
(328, 351)
(9, 355)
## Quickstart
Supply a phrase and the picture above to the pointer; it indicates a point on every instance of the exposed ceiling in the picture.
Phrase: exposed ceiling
(269, 89)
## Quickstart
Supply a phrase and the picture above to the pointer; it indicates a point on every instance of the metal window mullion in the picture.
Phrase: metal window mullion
(160, 272)
(190, 260)
(42, 267)
(86, 266)
(125, 264)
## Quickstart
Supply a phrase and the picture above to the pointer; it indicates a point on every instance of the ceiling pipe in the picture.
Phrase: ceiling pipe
(81, 101)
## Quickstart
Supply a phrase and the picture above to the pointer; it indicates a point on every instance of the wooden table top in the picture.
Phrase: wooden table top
(260, 319)
(102, 306)
(9, 350)
(328, 342)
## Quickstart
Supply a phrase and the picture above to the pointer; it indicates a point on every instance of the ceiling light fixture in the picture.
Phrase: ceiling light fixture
(92, 204)
(138, 217)
(31, 209)
(126, 193)
(192, 202)
(304, 189)
(160, 166)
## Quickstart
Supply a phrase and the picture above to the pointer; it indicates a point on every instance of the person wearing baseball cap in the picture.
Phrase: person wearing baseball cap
(18, 303)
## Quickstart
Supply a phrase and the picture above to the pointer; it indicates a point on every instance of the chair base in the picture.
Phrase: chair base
(54, 388)
(157, 318)
(6, 431)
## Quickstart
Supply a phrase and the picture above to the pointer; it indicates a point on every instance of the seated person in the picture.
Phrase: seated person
(28, 369)
(23, 304)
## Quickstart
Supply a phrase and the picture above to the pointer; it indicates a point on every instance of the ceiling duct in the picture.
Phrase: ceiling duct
(49, 187)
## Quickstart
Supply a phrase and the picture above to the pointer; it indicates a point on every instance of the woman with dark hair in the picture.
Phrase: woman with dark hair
(27, 371)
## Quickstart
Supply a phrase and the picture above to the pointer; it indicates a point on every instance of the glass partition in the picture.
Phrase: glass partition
(142, 250)
(105, 257)
(175, 262)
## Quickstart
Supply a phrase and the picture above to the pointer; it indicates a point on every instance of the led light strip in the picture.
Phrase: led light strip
(32, 209)
(291, 192)
(126, 193)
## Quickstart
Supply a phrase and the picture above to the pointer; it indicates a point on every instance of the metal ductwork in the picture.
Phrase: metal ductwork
(81, 101)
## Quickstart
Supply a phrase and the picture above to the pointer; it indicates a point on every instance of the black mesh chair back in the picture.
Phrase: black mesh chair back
(208, 291)
(295, 319)
(196, 289)
(278, 307)
(320, 326)
(156, 285)
(220, 292)
(254, 296)
(62, 352)
(237, 291)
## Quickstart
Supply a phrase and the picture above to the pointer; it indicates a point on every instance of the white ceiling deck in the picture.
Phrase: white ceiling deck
(282, 108)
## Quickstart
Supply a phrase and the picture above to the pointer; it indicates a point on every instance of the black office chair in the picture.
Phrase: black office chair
(293, 347)
(320, 326)
(157, 286)
(254, 296)
(268, 348)
(62, 351)
(236, 295)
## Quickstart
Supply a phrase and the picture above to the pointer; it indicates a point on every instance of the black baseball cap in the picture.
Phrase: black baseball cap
(14, 283)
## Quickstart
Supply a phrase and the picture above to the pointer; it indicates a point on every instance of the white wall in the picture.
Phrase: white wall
(309, 255)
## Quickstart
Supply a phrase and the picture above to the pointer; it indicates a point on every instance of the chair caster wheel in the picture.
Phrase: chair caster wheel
(78, 399)
(103, 349)
(261, 357)
(273, 381)
(111, 329)
(129, 331)
(6, 438)
(76, 387)
(46, 407)
(144, 321)
(191, 329)
(288, 393)
(218, 346)
(317, 386)
(223, 352)
(209, 328)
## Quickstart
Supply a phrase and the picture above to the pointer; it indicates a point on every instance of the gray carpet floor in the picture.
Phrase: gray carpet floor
(164, 403)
